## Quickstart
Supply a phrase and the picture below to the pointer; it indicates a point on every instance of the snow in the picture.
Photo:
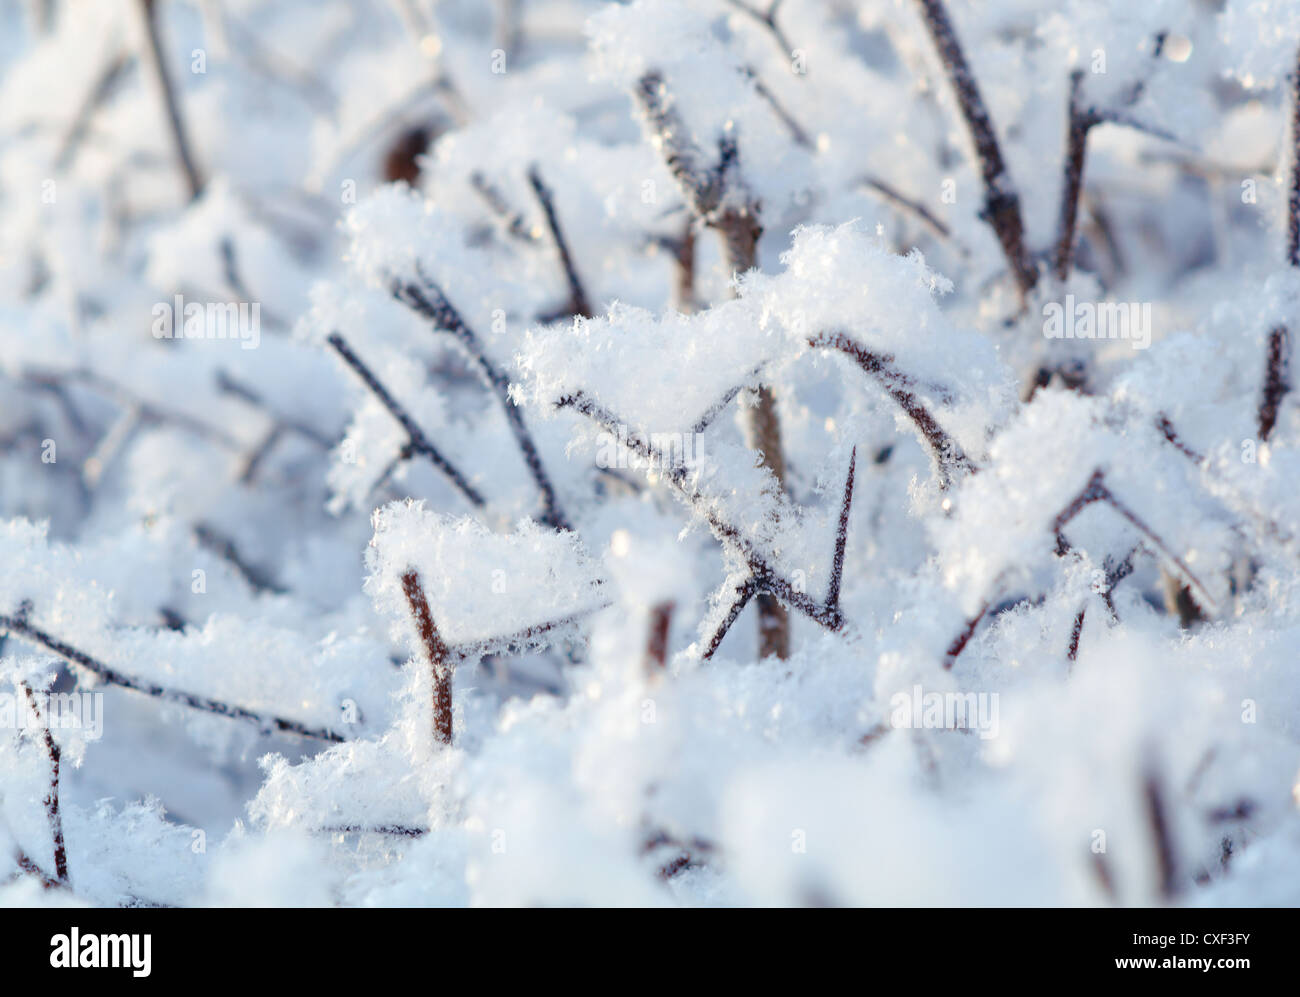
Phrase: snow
(426, 590)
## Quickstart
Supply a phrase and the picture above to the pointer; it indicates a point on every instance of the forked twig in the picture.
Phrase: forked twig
(427, 300)
(762, 576)
(416, 442)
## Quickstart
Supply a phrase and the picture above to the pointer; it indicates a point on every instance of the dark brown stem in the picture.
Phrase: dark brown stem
(1001, 201)
(18, 626)
(684, 255)
(30, 868)
(170, 100)
(416, 441)
(1293, 187)
(1076, 632)
(842, 535)
(962, 639)
(439, 658)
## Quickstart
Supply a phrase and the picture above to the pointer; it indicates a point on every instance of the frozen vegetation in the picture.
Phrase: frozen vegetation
(723, 452)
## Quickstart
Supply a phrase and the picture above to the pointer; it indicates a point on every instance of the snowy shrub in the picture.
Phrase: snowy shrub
(663, 452)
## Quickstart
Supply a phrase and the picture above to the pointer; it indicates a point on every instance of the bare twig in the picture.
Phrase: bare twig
(1158, 817)
(211, 539)
(1293, 187)
(427, 300)
(171, 102)
(17, 625)
(912, 205)
(947, 452)
(578, 303)
(145, 411)
(512, 220)
(30, 868)
(394, 830)
(1001, 201)
(416, 441)
(1277, 381)
(1081, 119)
(52, 798)
(768, 20)
(762, 575)
(437, 653)
(112, 73)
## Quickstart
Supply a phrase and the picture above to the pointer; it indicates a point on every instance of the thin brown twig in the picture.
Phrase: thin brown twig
(436, 651)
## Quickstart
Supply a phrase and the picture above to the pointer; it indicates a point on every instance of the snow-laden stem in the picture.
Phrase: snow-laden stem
(1097, 491)
(439, 658)
(17, 625)
(719, 199)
